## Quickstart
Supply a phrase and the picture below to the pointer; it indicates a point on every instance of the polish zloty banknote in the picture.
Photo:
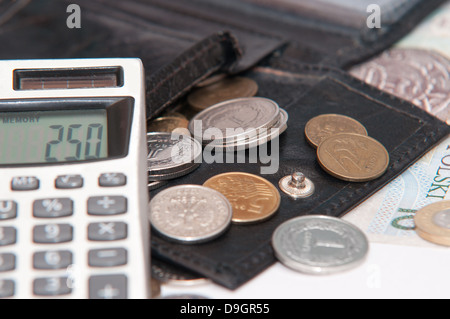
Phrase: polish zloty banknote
(433, 34)
(387, 217)
(417, 69)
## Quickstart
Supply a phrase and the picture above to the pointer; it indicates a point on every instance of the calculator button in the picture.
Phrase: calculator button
(108, 257)
(7, 262)
(107, 205)
(69, 181)
(52, 234)
(53, 208)
(52, 259)
(112, 180)
(7, 288)
(8, 209)
(8, 236)
(107, 231)
(108, 287)
(26, 183)
(51, 286)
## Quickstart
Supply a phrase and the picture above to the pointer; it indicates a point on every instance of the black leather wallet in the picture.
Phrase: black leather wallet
(298, 61)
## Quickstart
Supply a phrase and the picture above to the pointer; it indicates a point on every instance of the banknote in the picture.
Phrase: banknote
(417, 68)
(387, 217)
(432, 34)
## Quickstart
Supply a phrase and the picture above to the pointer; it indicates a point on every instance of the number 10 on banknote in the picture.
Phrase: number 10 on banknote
(388, 216)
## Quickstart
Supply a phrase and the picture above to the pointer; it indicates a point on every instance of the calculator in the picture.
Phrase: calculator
(73, 179)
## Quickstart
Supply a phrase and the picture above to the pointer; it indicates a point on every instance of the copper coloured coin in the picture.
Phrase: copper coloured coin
(353, 157)
(323, 126)
(224, 90)
(254, 199)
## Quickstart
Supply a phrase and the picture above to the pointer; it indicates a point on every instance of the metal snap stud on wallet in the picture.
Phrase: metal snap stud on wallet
(297, 185)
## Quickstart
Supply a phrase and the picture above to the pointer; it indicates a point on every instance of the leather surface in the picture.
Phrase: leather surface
(304, 92)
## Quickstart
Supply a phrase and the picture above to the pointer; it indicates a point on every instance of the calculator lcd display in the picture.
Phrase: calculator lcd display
(41, 137)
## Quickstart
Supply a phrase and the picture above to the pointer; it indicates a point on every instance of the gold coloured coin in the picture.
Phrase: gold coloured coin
(254, 199)
(353, 157)
(433, 223)
(168, 124)
(224, 90)
(323, 126)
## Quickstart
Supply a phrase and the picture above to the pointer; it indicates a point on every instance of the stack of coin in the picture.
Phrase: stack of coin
(239, 123)
(433, 223)
(171, 155)
(190, 213)
(219, 89)
(319, 245)
(344, 149)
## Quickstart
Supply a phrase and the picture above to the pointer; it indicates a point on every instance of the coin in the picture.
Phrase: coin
(168, 124)
(264, 136)
(223, 90)
(169, 176)
(170, 153)
(170, 274)
(235, 119)
(212, 79)
(319, 244)
(433, 223)
(253, 198)
(152, 185)
(353, 157)
(190, 213)
(323, 126)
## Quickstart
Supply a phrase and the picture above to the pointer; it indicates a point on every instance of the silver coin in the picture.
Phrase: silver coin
(175, 275)
(190, 213)
(319, 245)
(236, 118)
(169, 176)
(264, 136)
(169, 152)
(152, 185)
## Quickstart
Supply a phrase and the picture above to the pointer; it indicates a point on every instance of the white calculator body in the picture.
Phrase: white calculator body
(73, 181)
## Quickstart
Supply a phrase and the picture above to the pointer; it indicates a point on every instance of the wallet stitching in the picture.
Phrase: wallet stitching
(186, 61)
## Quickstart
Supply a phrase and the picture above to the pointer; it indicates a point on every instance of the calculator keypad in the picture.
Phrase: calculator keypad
(7, 288)
(25, 183)
(69, 182)
(108, 287)
(8, 236)
(112, 180)
(61, 259)
(52, 259)
(51, 286)
(107, 205)
(107, 231)
(111, 257)
(7, 262)
(8, 209)
(53, 208)
(52, 233)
